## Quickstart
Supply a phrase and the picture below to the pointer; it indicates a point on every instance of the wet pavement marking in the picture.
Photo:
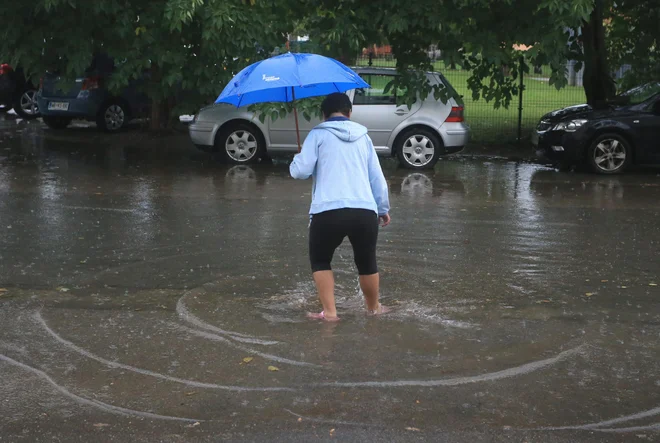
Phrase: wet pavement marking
(272, 357)
(187, 316)
(115, 365)
(506, 373)
(600, 425)
(89, 402)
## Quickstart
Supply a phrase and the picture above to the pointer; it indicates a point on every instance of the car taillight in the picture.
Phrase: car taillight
(456, 115)
(5, 69)
(91, 83)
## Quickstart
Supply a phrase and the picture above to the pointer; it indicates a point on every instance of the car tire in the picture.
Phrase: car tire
(55, 122)
(609, 154)
(240, 144)
(26, 106)
(418, 148)
(112, 116)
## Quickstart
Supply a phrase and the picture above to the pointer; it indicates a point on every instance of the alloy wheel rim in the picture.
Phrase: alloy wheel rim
(114, 117)
(241, 146)
(29, 103)
(418, 150)
(610, 155)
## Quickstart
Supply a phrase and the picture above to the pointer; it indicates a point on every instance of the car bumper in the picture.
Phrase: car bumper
(78, 108)
(202, 134)
(455, 136)
(559, 146)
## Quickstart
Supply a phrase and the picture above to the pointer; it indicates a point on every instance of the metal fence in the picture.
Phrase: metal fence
(504, 125)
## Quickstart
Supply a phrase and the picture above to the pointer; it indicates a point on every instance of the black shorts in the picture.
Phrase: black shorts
(328, 230)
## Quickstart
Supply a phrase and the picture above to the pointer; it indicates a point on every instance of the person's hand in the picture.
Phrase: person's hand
(385, 220)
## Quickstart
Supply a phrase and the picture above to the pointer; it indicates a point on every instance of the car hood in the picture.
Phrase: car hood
(608, 110)
(571, 111)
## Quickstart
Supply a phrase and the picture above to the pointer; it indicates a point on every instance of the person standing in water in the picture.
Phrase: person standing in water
(349, 199)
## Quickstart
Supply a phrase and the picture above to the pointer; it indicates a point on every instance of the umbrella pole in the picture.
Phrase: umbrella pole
(295, 114)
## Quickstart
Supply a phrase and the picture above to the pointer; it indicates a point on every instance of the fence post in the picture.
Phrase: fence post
(521, 87)
(371, 58)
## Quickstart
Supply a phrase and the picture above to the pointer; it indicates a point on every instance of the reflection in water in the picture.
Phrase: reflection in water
(417, 185)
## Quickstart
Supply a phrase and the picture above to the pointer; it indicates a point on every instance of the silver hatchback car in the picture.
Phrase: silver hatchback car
(417, 136)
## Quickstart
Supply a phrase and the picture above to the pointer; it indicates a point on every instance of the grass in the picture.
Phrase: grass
(500, 126)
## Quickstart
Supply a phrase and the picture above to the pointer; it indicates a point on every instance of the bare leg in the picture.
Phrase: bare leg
(325, 285)
(370, 285)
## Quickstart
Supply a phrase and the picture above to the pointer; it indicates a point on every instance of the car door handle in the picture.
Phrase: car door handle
(400, 112)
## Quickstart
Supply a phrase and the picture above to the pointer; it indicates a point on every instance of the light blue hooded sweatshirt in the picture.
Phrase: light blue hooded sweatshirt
(340, 157)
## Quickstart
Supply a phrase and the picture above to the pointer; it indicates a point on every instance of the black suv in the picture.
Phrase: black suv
(607, 138)
(17, 92)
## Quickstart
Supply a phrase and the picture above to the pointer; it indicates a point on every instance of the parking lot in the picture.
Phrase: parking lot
(149, 292)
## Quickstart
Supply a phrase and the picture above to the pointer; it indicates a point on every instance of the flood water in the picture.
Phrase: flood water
(149, 293)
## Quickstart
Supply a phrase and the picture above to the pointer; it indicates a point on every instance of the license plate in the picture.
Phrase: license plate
(58, 106)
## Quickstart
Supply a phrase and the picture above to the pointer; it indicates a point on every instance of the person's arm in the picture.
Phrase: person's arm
(378, 184)
(303, 164)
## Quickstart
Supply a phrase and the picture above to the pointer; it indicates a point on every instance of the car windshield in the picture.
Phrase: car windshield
(640, 94)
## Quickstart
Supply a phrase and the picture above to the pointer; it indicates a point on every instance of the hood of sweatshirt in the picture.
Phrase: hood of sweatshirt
(345, 130)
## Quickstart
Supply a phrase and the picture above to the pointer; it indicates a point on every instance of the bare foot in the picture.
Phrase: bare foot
(321, 316)
(380, 310)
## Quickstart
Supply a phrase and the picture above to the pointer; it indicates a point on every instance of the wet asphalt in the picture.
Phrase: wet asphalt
(150, 293)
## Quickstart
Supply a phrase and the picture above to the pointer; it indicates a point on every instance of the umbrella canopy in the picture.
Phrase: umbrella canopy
(289, 77)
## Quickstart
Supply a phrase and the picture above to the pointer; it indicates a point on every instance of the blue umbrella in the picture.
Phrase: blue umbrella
(288, 77)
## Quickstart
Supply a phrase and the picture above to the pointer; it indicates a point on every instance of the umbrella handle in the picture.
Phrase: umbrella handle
(295, 115)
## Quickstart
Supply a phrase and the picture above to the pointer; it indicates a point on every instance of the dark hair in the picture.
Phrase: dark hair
(336, 102)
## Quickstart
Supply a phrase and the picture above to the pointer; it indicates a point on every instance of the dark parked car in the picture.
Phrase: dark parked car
(607, 138)
(17, 92)
(88, 98)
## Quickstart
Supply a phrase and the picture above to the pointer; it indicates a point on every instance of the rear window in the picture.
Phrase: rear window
(452, 92)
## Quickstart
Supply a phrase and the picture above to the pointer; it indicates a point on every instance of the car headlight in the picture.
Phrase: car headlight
(570, 126)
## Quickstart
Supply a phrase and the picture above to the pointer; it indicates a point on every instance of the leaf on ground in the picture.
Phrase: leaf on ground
(273, 369)
(624, 287)
(653, 284)
(410, 428)
(3, 290)
(332, 431)
(193, 425)
(191, 393)
(101, 425)
(543, 301)
(62, 289)
(299, 419)
(248, 359)
(589, 294)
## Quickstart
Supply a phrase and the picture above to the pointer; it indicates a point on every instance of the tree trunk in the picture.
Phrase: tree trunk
(598, 83)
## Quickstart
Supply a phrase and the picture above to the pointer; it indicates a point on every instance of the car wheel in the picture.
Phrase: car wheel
(418, 149)
(56, 122)
(112, 116)
(26, 105)
(609, 154)
(241, 144)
